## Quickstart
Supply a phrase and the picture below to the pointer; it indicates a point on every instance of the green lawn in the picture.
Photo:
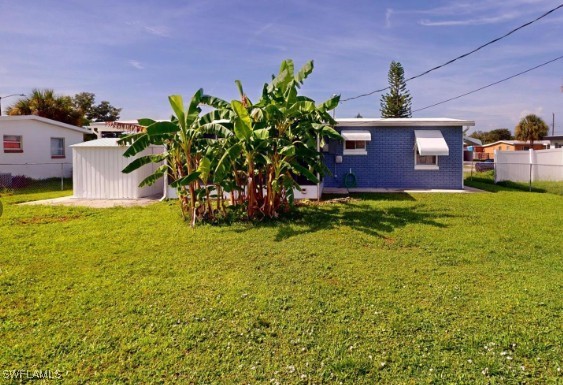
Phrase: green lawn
(396, 288)
(36, 190)
(486, 181)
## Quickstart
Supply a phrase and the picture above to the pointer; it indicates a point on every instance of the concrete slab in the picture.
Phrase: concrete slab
(95, 203)
(466, 189)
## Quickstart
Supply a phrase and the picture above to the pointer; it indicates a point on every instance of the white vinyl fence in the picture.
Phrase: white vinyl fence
(529, 166)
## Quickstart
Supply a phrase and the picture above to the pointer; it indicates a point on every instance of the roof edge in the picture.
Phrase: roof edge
(403, 122)
(515, 142)
(45, 120)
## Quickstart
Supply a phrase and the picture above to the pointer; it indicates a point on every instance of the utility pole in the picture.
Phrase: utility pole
(553, 123)
(4, 97)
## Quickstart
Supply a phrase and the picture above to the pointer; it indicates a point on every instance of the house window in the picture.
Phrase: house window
(355, 147)
(355, 142)
(429, 144)
(57, 148)
(13, 144)
(425, 162)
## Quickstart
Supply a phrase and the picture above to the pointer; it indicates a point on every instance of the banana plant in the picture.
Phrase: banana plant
(254, 151)
(277, 139)
(183, 138)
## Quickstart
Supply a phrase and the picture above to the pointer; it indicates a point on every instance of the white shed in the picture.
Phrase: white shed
(97, 166)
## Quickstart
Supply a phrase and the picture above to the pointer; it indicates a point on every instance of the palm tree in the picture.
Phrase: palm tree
(531, 128)
(47, 104)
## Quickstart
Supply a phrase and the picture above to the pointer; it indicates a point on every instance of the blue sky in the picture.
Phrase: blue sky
(136, 53)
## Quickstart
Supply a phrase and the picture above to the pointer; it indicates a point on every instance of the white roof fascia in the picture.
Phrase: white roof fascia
(403, 122)
(107, 142)
(45, 120)
(362, 135)
(431, 142)
(103, 142)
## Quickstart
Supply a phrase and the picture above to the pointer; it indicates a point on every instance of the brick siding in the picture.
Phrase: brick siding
(389, 162)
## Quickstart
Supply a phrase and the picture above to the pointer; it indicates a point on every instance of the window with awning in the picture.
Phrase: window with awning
(355, 141)
(431, 142)
(429, 145)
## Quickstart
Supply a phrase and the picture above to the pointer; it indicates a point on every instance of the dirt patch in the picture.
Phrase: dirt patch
(43, 220)
(306, 202)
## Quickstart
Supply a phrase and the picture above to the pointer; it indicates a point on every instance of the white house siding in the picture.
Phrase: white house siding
(35, 161)
(97, 173)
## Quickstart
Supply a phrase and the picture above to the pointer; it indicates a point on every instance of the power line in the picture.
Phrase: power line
(462, 56)
(489, 85)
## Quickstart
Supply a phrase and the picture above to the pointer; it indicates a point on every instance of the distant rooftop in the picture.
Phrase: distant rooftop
(125, 125)
(514, 142)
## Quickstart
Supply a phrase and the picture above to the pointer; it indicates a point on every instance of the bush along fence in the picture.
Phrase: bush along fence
(529, 166)
(35, 177)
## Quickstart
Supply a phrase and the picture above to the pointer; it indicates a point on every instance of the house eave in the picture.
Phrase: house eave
(403, 122)
(17, 118)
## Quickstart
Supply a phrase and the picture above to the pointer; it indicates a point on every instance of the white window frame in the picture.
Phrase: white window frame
(12, 150)
(424, 166)
(58, 156)
(355, 151)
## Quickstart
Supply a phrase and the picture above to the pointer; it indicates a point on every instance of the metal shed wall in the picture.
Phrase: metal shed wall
(97, 174)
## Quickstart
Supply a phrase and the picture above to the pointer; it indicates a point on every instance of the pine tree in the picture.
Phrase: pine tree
(397, 102)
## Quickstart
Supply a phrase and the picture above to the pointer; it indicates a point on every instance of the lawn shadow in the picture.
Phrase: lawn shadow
(358, 215)
(505, 186)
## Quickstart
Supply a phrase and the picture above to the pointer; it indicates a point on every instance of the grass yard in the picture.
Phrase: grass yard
(36, 190)
(486, 181)
(396, 288)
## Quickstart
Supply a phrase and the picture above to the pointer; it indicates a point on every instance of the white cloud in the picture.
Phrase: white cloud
(160, 31)
(539, 111)
(388, 14)
(136, 64)
(476, 21)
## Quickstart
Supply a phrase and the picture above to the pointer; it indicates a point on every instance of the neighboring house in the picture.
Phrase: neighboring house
(469, 145)
(397, 154)
(487, 151)
(115, 129)
(555, 141)
(37, 147)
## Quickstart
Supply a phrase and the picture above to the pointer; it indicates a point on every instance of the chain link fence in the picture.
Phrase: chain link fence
(28, 178)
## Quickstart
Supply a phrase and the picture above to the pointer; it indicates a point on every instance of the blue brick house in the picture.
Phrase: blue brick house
(396, 154)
